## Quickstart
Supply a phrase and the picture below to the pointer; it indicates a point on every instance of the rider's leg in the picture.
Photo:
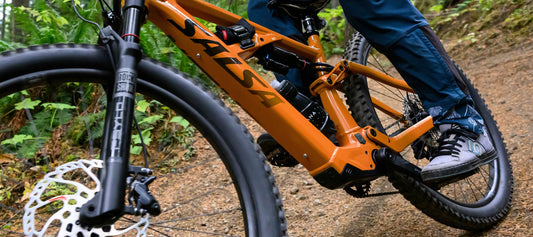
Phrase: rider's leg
(398, 30)
(277, 20)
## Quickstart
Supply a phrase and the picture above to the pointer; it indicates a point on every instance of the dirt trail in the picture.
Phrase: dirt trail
(504, 76)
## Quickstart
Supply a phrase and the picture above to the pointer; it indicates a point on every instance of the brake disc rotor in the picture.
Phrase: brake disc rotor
(55, 201)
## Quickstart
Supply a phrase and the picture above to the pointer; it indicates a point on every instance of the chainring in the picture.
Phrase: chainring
(361, 190)
(55, 201)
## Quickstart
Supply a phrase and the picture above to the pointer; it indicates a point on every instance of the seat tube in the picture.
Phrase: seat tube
(310, 30)
(108, 204)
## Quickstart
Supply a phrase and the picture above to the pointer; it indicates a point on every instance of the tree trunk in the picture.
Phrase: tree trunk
(3, 20)
(348, 29)
(16, 32)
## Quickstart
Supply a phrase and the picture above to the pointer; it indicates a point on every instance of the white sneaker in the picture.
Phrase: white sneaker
(459, 152)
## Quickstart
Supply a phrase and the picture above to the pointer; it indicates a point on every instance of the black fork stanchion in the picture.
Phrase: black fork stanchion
(108, 203)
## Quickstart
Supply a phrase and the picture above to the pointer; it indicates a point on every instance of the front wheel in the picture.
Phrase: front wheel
(473, 203)
(211, 178)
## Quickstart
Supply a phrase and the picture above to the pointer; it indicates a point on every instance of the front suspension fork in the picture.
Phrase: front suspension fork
(108, 204)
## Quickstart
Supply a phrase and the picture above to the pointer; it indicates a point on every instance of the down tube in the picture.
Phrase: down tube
(307, 144)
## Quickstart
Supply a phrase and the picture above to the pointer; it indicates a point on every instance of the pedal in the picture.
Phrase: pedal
(274, 152)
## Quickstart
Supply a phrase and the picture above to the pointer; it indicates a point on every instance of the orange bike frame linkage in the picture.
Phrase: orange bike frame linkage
(226, 65)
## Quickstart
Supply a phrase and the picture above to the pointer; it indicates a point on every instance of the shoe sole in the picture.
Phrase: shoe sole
(436, 176)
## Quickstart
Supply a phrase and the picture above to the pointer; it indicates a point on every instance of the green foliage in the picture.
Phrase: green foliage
(514, 16)
(55, 22)
(5, 45)
(43, 110)
(238, 7)
(17, 139)
(462, 6)
(55, 107)
(86, 127)
(142, 105)
(180, 121)
(481, 7)
(5, 194)
(57, 189)
(136, 141)
(27, 103)
(333, 35)
(436, 8)
(156, 120)
(447, 12)
(151, 119)
(520, 20)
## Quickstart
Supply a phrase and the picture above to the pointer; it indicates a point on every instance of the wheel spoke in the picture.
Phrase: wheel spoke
(483, 172)
(186, 168)
(467, 180)
(197, 216)
(465, 198)
(399, 99)
(194, 231)
(86, 121)
(191, 200)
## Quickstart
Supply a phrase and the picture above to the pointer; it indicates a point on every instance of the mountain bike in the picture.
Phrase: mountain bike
(111, 143)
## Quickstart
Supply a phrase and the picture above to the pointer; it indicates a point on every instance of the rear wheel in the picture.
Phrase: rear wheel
(475, 202)
(53, 101)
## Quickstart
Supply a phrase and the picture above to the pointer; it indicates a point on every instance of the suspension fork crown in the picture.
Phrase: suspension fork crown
(108, 203)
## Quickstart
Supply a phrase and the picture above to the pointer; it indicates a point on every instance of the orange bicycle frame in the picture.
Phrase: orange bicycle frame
(226, 65)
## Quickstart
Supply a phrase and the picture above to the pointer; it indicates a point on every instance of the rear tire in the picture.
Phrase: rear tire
(492, 185)
(234, 192)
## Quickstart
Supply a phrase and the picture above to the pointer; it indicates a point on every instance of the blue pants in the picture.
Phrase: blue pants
(399, 31)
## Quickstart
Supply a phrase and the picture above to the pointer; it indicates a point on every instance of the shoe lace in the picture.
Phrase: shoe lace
(449, 141)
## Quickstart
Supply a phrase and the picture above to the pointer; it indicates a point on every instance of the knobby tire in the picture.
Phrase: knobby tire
(259, 205)
(479, 212)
